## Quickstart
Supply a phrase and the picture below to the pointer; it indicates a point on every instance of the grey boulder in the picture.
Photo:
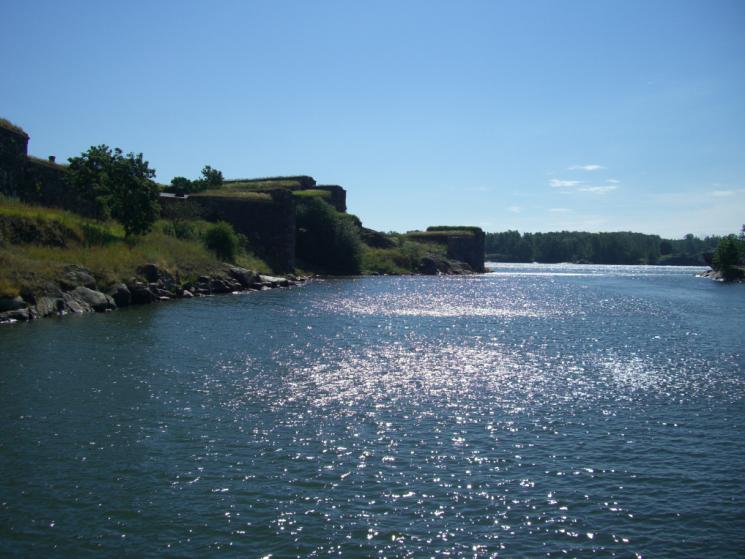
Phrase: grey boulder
(121, 295)
(83, 299)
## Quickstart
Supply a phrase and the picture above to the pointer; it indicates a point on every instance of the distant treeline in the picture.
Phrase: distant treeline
(598, 248)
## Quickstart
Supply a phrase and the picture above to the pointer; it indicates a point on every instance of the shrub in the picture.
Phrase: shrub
(223, 241)
(327, 239)
(728, 255)
(212, 178)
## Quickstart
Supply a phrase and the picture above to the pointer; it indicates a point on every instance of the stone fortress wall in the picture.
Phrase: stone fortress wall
(267, 221)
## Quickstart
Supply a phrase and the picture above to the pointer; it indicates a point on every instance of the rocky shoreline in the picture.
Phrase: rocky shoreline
(77, 292)
(718, 276)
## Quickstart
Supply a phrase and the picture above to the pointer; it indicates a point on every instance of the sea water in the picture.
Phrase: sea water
(535, 411)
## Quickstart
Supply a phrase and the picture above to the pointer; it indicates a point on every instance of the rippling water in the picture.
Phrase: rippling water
(544, 411)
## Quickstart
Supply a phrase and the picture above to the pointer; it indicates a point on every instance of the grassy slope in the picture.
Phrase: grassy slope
(101, 248)
(401, 259)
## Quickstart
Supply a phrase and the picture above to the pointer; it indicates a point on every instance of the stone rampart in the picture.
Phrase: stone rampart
(466, 244)
(469, 249)
(268, 223)
(13, 151)
(338, 196)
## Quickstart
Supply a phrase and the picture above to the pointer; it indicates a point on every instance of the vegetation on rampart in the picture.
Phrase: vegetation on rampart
(311, 193)
(439, 235)
(254, 196)
(328, 241)
(303, 181)
(404, 257)
(453, 229)
(261, 185)
(210, 179)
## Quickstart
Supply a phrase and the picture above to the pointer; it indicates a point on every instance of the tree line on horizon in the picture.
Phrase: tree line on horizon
(599, 248)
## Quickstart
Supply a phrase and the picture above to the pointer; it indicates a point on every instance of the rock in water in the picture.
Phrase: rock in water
(94, 300)
(121, 294)
(247, 278)
(12, 303)
(141, 294)
(47, 305)
(18, 314)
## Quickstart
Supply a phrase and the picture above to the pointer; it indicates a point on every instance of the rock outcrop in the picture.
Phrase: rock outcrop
(77, 292)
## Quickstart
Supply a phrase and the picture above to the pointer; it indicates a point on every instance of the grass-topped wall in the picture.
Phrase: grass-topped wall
(463, 243)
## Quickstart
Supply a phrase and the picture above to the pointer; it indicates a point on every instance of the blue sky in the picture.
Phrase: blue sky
(532, 115)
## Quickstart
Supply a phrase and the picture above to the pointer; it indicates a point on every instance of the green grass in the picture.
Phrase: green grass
(261, 185)
(84, 228)
(101, 248)
(32, 266)
(312, 193)
(454, 229)
(240, 194)
(402, 259)
(441, 233)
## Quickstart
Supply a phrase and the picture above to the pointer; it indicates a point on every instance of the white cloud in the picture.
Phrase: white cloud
(591, 167)
(558, 183)
(559, 210)
(613, 181)
(597, 189)
(514, 209)
(724, 193)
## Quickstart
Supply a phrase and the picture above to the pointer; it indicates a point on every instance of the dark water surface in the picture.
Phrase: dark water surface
(539, 411)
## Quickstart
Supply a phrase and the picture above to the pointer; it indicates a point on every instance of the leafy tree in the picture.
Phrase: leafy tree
(222, 239)
(181, 185)
(212, 178)
(728, 255)
(115, 185)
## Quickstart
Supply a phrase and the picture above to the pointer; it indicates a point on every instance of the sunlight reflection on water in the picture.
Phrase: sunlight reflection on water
(499, 415)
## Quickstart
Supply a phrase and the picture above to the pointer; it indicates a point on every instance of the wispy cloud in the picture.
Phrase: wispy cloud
(725, 193)
(559, 210)
(569, 186)
(597, 189)
(590, 167)
(558, 183)
(514, 209)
